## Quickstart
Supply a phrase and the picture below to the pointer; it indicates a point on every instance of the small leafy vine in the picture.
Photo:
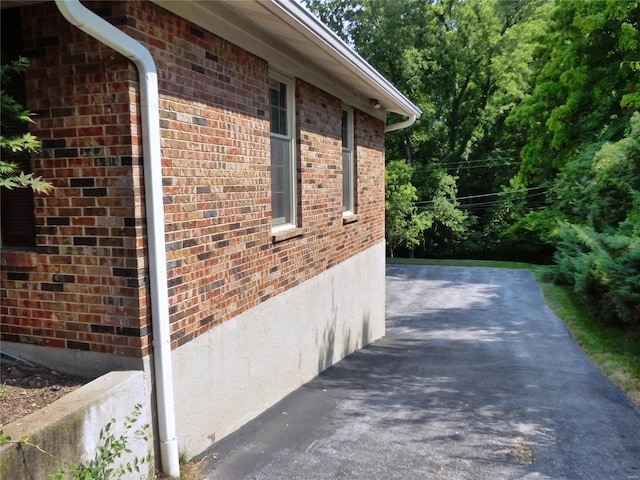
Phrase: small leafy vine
(103, 465)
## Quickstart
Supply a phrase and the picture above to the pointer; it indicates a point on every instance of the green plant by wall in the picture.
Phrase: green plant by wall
(103, 466)
(11, 146)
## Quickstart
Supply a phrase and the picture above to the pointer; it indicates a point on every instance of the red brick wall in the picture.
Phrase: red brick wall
(83, 287)
(222, 259)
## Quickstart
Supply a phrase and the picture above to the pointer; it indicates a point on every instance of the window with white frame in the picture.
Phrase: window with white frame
(282, 133)
(348, 167)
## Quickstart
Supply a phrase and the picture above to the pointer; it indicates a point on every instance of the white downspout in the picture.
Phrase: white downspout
(400, 125)
(106, 33)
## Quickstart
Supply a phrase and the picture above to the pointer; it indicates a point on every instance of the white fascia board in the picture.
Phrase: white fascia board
(337, 48)
(221, 18)
(224, 23)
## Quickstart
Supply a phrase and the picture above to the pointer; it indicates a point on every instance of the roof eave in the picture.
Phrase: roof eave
(332, 44)
(295, 42)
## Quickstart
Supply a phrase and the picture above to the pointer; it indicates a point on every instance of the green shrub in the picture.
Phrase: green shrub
(604, 269)
(599, 248)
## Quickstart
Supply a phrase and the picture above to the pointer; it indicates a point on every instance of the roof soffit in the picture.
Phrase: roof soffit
(271, 31)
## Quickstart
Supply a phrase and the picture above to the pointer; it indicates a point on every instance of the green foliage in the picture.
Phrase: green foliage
(11, 108)
(447, 222)
(529, 98)
(533, 234)
(10, 175)
(466, 65)
(111, 447)
(582, 89)
(604, 269)
(404, 223)
(599, 251)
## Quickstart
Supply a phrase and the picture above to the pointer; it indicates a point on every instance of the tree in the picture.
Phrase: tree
(14, 145)
(466, 64)
(404, 223)
(584, 88)
(448, 223)
(599, 248)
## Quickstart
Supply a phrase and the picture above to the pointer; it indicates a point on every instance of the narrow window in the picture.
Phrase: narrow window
(17, 226)
(348, 167)
(283, 171)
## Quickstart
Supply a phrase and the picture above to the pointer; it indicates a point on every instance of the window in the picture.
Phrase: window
(348, 167)
(17, 221)
(17, 213)
(283, 168)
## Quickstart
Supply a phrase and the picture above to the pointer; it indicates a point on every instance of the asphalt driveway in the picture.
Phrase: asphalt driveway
(476, 379)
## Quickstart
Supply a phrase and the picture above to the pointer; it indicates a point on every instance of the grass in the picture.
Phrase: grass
(614, 350)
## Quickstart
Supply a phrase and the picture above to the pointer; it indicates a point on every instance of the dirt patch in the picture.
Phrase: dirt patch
(27, 387)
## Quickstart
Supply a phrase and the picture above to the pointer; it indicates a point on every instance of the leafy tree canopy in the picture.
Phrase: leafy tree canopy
(404, 223)
(585, 86)
(529, 103)
(466, 64)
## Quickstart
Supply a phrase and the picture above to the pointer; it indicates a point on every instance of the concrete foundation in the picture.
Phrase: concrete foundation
(73, 362)
(69, 429)
(230, 375)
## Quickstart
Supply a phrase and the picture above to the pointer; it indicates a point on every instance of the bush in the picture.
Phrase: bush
(599, 248)
(604, 269)
(534, 235)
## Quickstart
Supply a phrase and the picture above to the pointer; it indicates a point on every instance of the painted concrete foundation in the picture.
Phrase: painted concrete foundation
(233, 373)
(69, 428)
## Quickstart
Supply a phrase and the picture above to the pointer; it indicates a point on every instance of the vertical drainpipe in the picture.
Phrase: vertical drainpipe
(106, 33)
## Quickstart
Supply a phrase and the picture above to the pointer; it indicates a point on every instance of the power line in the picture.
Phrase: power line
(479, 160)
(499, 201)
(466, 167)
(483, 206)
(489, 194)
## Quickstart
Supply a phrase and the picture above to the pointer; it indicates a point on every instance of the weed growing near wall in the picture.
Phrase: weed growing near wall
(104, 465)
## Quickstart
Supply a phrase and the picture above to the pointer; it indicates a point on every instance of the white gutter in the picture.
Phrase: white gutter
(400, 125)
(106, 33)
(331, 43)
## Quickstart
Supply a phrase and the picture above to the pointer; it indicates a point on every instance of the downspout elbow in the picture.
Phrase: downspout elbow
(400, 125)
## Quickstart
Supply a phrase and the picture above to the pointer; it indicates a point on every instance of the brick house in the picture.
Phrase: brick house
(218, 212)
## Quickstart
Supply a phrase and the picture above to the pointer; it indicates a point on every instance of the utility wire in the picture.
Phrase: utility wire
(499, 201)
(466, 167)
(490, 194)
(479, 160)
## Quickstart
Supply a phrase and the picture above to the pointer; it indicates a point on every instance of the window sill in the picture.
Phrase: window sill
(18, 258)
(286, 234)
(348, 218)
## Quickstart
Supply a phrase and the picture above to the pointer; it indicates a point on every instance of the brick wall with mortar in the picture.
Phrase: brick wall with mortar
(83, 287)
(222, 258)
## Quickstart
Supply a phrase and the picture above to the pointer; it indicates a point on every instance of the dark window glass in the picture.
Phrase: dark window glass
(278, 103)
(17, 206)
